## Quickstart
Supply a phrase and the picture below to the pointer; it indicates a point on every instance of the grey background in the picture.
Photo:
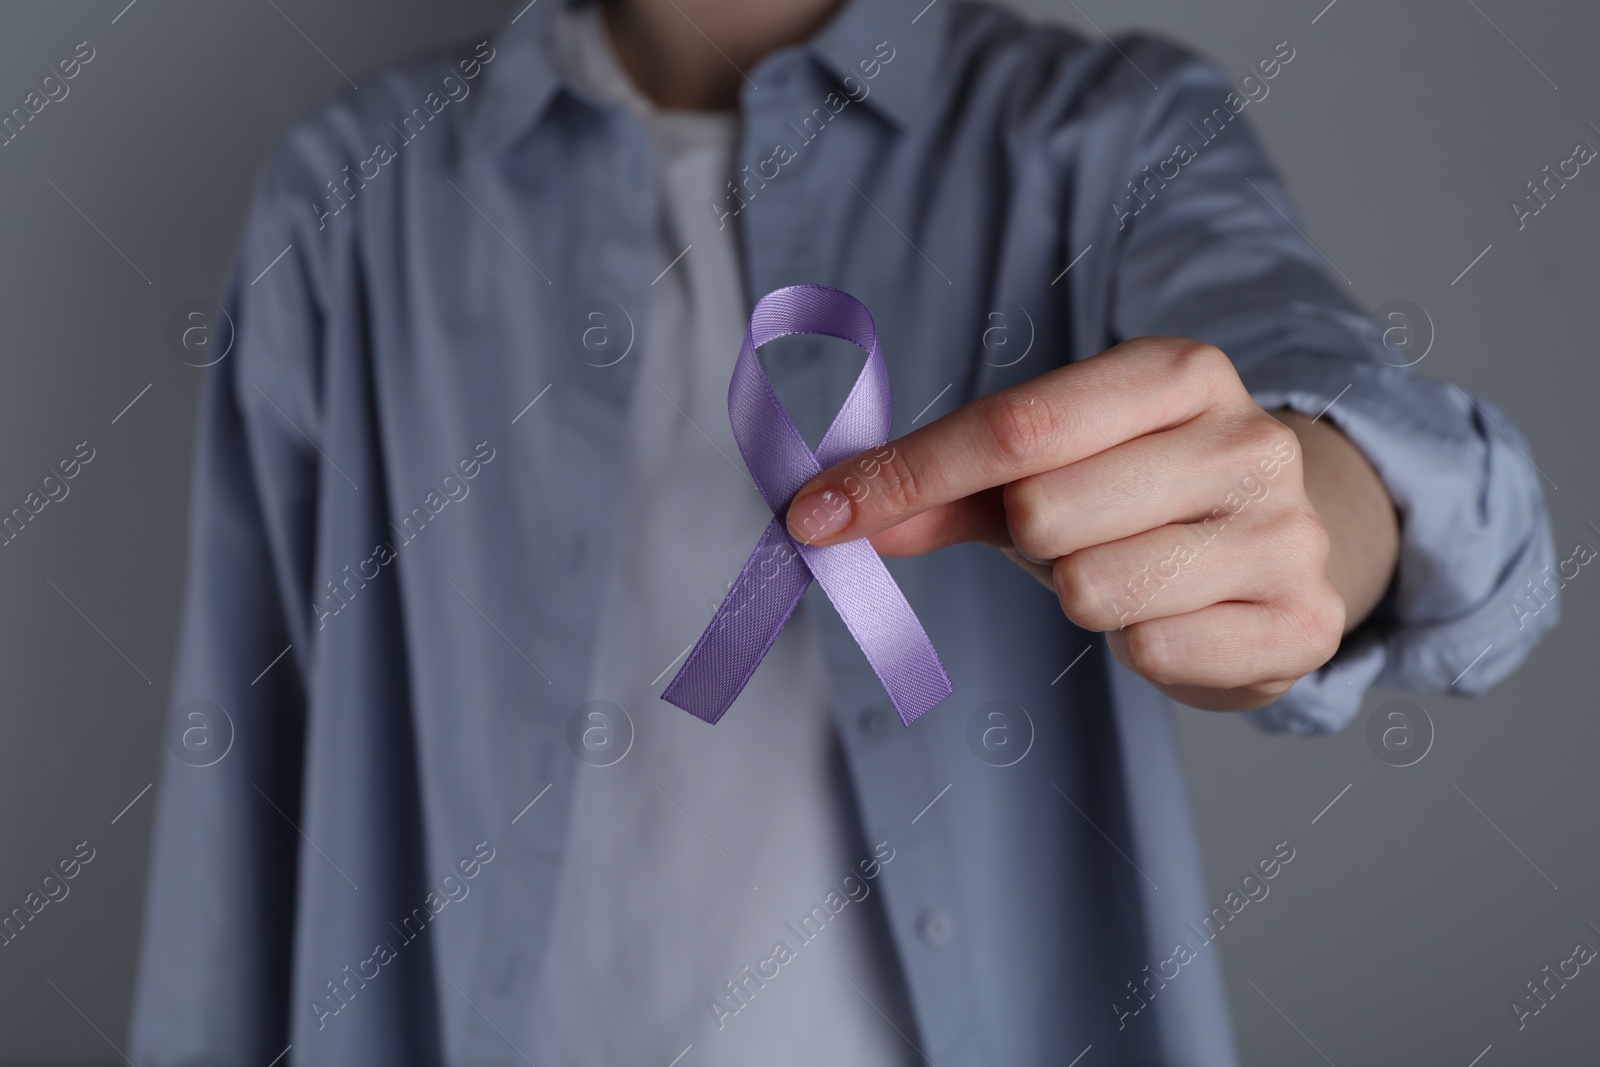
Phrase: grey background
(1407, 919)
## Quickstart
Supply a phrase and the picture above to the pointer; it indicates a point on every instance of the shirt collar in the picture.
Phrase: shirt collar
(903, 85)
(519, 81)
(524, 74)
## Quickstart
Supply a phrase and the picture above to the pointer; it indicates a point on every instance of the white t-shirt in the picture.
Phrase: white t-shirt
(703, 847)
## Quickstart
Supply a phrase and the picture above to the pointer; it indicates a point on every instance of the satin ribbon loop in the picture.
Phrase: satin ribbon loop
(778, 572)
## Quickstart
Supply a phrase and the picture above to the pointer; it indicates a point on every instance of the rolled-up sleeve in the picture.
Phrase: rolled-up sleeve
(1216, 253)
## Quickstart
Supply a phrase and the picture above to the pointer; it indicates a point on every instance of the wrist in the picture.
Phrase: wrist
(1354, 504)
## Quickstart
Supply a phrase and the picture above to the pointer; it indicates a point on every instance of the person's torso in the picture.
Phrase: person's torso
(503, 267)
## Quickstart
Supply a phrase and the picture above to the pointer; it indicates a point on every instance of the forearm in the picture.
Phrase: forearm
(1363, 528)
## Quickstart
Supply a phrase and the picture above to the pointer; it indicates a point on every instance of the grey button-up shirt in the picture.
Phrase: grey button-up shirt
(367, 873)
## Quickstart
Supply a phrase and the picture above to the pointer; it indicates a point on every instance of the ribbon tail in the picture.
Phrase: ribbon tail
(879, 618)
(742, 632)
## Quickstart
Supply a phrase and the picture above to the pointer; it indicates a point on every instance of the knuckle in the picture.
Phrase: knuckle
(1028, 517)
(896, 482)
(1203, 363)
(1283, 441)
(1261, 435)
(1306, 536)
(1323, 617)
(1287, 454)
(1317, 534)
(1150, 653)
(1272, 690)
(1076, 587)
(1020, 425)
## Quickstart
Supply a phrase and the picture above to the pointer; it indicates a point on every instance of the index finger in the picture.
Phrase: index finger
(1135, 388)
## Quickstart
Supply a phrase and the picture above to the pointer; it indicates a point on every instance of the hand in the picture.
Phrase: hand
(1159, 503)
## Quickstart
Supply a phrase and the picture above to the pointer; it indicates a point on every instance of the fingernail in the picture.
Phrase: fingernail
(818, 516)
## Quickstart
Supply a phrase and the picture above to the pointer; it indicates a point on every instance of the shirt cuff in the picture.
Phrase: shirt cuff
(1474, 587)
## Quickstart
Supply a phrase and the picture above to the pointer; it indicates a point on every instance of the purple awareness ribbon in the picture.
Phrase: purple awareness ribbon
(777, 573)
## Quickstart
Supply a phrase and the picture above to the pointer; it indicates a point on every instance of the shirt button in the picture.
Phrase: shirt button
(936, 927)
(873, 723)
